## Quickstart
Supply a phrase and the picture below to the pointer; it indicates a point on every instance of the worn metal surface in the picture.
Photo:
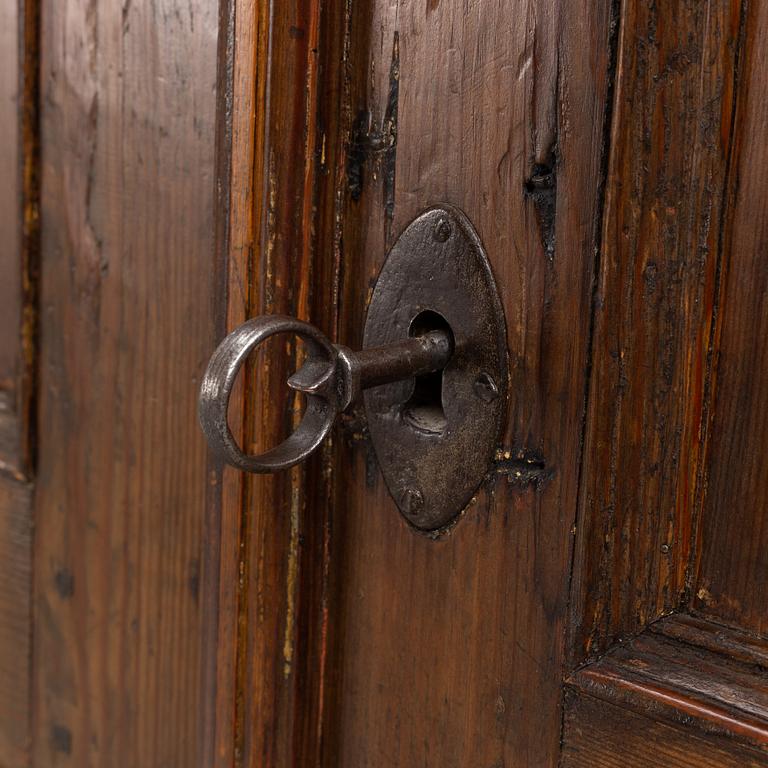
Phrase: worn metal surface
(220, 376)
(331, 377)
(434, 365)
(435, 438)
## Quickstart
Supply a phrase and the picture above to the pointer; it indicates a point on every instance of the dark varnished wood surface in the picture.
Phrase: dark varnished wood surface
(15, 621)
(19, 224)
(326, 631)
(240, 94)
(128, 108)
(738, 645)
(733, 578)
(10, 231)
(696, 693)
(654, 308)
(18, 283)
(598, 734)
(441, 646)
(282, 529)
(279, 153)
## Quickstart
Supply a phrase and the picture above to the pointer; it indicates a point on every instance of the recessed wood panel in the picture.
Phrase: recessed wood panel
(687, 692)
(654, 308)
(733, 580)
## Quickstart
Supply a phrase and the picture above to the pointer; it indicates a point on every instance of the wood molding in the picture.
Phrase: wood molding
(704, 683)
(279, 159)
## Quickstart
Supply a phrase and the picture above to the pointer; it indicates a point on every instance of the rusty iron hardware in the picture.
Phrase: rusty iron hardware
(332, 378)
(433, 373)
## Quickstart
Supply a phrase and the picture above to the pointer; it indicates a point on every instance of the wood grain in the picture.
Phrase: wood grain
(684, 680)
(19, 230)
(733, 579)
(441, 646)
(18, 283)
(654, 309)
(269, 707)
(10, 232)
(243, 56)
(738, 645)
(15, 621)
(285, 525)
(598, 734)
(278, 124)
(127, 126)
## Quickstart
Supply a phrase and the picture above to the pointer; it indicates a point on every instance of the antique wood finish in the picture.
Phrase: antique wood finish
(649, 388)
(737, 645)
(733, 577)
(599, 734)
(685, 693)
(127, 126)
(278, 116)
(18, 229)
(18, 271)
(242, 63)
(10, 230)
(182, 614)
(15, 621)
(441, 644)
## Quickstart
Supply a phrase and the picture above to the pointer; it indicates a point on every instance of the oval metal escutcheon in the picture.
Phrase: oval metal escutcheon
(435, 436)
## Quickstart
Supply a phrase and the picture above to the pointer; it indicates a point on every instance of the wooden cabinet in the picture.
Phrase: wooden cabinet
(179, 166)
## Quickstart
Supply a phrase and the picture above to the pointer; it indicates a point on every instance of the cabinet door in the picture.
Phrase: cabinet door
(599, 601)
(180, 166)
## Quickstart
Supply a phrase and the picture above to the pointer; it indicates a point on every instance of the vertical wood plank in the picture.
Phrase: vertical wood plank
(10, 231)
(654, 308)
(733, 579)
(445, 648)
(18, 281)
(19, 164)
(15, 621)
(243, 55)
(267, 541)
(127, 125)
(284, 527)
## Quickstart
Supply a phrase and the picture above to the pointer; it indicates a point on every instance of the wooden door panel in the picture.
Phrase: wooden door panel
(610, 156)
(15, 621)
(598, 734)
(662, 479)
(732, 583)
(127, 276)
(442, 644)
(359, 639)
(650, 390)
(706, 682)
(18, 319)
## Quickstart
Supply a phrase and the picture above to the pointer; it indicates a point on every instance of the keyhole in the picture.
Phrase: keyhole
(424, 410)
